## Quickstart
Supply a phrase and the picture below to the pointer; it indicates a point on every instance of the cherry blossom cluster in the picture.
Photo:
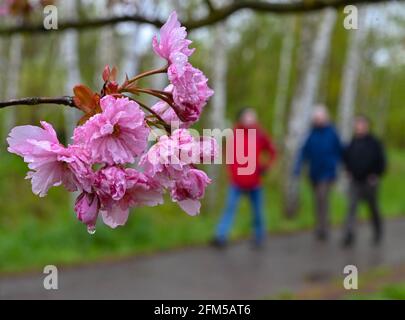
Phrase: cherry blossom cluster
(111, 162)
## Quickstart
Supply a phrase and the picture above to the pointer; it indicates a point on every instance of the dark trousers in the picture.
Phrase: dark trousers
(321, 200)
(367, 192)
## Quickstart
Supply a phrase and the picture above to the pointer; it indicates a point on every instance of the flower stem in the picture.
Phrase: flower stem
(154, 93)
(151, 111)
(160, 92)
(147, 74)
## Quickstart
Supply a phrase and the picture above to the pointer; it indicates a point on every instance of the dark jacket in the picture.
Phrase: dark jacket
(364, 156)
(323, 152)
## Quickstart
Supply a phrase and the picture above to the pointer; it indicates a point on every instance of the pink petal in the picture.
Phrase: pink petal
(192, 207)
(116, 216)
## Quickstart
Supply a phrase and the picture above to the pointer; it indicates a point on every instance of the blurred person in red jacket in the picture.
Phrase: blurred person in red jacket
(250, 155)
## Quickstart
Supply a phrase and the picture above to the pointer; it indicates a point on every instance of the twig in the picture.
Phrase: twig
(147, 74)
(32, 101)
(151, 111)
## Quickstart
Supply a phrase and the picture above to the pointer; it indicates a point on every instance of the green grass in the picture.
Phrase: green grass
(388, 292)
(35, 232)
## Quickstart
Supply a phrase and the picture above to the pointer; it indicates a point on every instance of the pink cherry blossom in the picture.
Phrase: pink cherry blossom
(107, 148)
(116, 215)
(5, 8)
(51, 163)
(142, 190)
(190, 92)
(167, 113)
(170, 162)
(168, 157)
(117, 135)
(188, 190)
(208, 149)
(120, 189)
(87, 207)
(111, 183)
(173, 45)
(3, 11)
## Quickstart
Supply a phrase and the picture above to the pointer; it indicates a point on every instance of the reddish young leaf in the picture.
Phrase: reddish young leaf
(106, 73)
(110, 75)
(113, 74)
(85, 99)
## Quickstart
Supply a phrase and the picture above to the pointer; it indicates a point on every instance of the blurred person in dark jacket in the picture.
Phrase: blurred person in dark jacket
(365, 163)
(252, 154)
(322, 151)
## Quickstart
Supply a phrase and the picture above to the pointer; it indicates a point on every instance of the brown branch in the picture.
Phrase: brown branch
(274, 7)
(214, 16)
(209, 5)
(33, 101)
(80, 25)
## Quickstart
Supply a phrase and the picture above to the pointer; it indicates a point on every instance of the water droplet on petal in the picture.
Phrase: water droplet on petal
(91, 229)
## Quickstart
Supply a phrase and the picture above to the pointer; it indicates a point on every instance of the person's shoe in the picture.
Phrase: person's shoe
(321, 236)
(348, 241)
(258, 244)
(217, 243)
(377, 239)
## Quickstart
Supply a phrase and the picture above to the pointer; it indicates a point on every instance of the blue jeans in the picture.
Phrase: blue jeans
(256, 200)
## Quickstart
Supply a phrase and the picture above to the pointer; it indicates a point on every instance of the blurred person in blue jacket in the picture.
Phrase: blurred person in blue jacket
(322, 151)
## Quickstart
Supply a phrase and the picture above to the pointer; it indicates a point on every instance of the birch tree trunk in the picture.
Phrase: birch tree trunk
(303, 101)
(219, 100)
(70, 50)
(384, 103)
(105, 44)
(12, 81)
(3, 67)
(132, 53)
(283, 82)
(351, 70)
(220, 69)
(159, 81)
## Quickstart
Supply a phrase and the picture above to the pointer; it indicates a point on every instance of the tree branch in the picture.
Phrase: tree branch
(215, 16)
(80, 25)
(33, 101)
(274, 7)
(210, 5)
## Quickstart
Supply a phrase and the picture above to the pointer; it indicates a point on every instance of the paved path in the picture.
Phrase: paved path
(287, 263)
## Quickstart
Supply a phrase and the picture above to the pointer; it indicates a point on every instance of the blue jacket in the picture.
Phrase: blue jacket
(323, 152)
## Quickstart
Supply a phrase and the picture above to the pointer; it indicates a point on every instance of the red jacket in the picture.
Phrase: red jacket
(252, 162)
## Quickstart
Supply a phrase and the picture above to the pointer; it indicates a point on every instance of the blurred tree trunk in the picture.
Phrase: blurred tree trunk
(384, 103)
(12, 83)
(105, 44)
(283, 81)
(70, 53)
(219, 72)
(132, 52)
(350, 77)
(304, 98)
(159, 81)
(219, 100)
(3, 65)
